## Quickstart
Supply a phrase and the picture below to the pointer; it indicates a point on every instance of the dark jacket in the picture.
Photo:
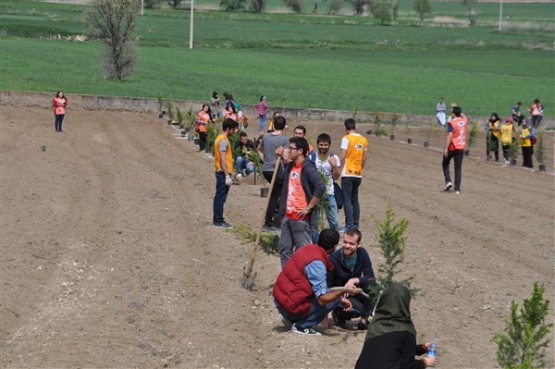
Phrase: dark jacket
(341, 273)
(395, 350)
(238, 149)
(292, 290)
(312, 183)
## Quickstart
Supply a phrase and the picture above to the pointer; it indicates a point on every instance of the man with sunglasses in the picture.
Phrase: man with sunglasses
(302, 189)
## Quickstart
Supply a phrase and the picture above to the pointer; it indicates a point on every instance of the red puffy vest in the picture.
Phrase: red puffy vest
(293, 290)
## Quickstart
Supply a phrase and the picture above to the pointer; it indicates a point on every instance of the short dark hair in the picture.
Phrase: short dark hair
(279, 122)
(302, 128)
(354, 232)
(457, 111)
(350, 124)
(301, 144)
(328, 239)
(323, 137)
(229, 123)
(243, 134)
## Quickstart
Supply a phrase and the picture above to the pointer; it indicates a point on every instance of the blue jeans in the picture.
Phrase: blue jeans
(294, 234)
(332, 213)
(58, 122)
(243, 165)
(351, 206)
(316, 314)
(219, 199)
(261, 121)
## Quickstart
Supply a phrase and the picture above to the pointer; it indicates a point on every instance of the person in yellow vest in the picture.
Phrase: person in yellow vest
(353, 159)
(455, 144)
(492, 138)
(223, 161)
(507, 138)
(527, 147)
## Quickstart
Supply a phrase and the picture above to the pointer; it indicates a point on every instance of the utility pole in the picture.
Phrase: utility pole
(500, 14)
(191, 25)
(142, 7)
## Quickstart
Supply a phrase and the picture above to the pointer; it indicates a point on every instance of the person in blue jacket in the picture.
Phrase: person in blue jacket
(352, 268)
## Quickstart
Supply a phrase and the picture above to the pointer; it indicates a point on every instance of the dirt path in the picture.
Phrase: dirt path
(109, 258)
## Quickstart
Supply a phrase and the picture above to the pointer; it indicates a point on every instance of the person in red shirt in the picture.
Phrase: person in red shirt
(204, 117)
(302, 190)
(59, 104)
(455, 144)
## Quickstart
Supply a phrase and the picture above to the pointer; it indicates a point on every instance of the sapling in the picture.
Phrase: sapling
(540, 151)
(472, 134)
(527, 335)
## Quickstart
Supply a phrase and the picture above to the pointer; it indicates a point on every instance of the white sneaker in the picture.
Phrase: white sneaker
(448, 186)
(305, 331)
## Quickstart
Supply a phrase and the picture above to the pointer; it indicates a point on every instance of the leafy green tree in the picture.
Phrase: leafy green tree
(296, 5)
(527, 335)
(257, 5)
(358, 5)
(151, 4)
(471, 11)
(114, 22)
(391, 241)
(386, 10)
(335, 6)
(233, 5)
(422, 7)
(174, 3)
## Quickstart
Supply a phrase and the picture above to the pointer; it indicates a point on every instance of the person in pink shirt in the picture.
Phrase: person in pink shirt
(261, 109)
(59, 104)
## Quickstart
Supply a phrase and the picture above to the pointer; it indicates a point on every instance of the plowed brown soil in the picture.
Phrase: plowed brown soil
(109, 258)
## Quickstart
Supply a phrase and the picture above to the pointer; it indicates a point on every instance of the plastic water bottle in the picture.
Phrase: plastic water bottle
(432, 351)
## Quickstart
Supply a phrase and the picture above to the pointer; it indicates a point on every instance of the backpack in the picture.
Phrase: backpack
(533, 140)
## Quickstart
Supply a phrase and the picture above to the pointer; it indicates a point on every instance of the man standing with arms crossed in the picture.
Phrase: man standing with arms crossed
(223, 161)
(353, 159)
(455, 144)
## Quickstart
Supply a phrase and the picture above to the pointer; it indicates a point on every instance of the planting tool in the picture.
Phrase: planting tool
(248, 276)
(345, 289)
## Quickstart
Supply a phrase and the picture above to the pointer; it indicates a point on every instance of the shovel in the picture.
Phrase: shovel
(248, 276)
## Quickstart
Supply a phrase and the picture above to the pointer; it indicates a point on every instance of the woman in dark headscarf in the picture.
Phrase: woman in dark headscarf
(391, 338)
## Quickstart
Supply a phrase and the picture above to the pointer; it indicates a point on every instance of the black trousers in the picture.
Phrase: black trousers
(458, 155)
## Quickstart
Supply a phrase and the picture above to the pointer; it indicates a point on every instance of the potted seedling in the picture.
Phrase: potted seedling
(179, 119)
(429, 131)
(188, 124)
(169, 110)
(160, 98)
(513, 151)
(378, 123)
(254, 156)
(540, 152)
(471, 138)
(395, 118)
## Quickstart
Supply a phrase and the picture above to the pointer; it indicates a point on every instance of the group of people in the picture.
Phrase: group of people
(506, 133)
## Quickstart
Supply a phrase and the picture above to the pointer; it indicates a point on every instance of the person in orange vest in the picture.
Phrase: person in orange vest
(204, 117)
(223, 161)
(353, 159)
(536, 113)
(59, 104)
(455, 144)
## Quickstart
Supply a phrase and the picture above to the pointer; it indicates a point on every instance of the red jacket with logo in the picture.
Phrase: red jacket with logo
(293, 290)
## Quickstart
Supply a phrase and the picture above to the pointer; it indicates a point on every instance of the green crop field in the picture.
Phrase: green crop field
(318, 61)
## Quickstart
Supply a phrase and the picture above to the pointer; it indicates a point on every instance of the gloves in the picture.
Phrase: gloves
(228, 180)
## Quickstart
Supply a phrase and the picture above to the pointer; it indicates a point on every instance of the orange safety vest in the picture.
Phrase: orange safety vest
(217, 154)
(355, 154)
(203, 120)
(458, 140)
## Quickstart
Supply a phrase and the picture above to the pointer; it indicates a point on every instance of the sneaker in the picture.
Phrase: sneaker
(362, 325)
(309, 331)
(448, 186)
(457, 192)
(338, 318)
(222, 225)
(270, 228)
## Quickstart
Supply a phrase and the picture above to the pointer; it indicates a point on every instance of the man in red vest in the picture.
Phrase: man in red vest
(301, 292)
(455, 144)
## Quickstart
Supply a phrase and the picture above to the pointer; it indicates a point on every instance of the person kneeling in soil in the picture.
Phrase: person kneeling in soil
(301, 293)
(391, 338)
(352, 268)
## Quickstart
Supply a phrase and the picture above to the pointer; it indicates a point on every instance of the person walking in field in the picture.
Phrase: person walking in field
(455, 143)
(261, 109)
(59, 103)
(353, 160)
(223, 161)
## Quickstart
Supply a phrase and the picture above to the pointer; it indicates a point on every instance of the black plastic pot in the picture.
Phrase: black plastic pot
(369, 132)
(466, 152)
(392, 137)
(513, 162)
(426, 144)
(264, 191)
(409, 141)
(542, 167)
